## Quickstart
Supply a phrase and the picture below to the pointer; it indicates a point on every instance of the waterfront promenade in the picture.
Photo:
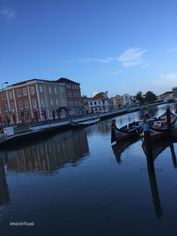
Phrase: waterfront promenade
(63, 124)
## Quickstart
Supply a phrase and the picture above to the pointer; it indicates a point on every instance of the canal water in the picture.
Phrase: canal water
(76, 183)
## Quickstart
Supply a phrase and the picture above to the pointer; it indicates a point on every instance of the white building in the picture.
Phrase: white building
(99, 103)
(127, 100)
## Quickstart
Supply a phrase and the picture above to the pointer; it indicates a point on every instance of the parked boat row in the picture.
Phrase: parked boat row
(158, 129)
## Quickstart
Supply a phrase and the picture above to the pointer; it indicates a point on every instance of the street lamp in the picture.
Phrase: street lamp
(3, 85)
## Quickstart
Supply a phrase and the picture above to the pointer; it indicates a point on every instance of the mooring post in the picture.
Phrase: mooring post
(168, 121)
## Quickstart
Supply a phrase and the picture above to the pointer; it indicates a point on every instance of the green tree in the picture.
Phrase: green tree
(139, 97)
(150, 97)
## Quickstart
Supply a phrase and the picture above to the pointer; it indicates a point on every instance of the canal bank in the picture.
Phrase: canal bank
(39, 130)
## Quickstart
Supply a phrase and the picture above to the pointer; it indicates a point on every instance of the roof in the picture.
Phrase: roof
(65, 80)
(165, 93)
(101, 95)
(31, 80)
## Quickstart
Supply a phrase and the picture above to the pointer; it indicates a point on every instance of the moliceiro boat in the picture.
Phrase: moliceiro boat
(126, 132)
(159, 128)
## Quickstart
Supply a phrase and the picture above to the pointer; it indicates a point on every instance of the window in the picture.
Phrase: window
(32, 90)
(34, 103)
(50, 91)
(41, 89)
(94, 103)
(56, 101)
(55, 89)
(19, 93)
(20, 105)
(5, 108)
(24, 91)
(70, 94)
(51, 102)
(3, 96)
(10, 94)
(90, 103)
(26, 103)
(12, 107)
(42, 102)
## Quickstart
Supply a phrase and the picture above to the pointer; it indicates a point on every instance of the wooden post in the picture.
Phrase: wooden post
(168, 122)
(147, 139)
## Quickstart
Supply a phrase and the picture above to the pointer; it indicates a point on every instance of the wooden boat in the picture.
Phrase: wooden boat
(81, 124)
(126, 132)
(158, 127)
(160, 124)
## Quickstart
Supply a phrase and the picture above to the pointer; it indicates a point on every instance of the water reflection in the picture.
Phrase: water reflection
(154, 186)
(151, 110)
(157, 148)
(47, 156)
(4, 192)
(173, 154)
(119, 147)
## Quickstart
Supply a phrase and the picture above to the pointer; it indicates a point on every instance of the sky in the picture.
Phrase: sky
(119, 46)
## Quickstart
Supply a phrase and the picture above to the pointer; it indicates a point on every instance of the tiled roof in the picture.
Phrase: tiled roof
(100, 95)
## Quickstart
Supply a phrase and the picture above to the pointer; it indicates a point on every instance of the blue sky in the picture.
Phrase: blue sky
(119, 46)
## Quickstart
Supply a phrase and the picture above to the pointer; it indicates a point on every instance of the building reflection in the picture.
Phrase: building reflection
(49, 155)
(4, 192)
(150, 110)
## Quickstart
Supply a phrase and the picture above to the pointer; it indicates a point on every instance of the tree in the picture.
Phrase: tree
(139, 97)
(150, 97)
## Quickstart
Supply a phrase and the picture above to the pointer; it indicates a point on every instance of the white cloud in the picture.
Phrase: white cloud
(146, 65)
(168, 79)
(165, 82)
(7, 12)
(115, 72)
(131, 57)
(105, 60)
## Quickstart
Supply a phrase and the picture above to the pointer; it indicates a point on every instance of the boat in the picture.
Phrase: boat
(159, 127)
(160, 124)
(126, 132)
(86, 123)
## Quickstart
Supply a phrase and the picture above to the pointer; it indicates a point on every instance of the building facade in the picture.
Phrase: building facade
(73, 95)
(100, 103)
(116, 102)
(168, 95)
(86, 107)
(127, 100)
(32, 100)
(174, 92)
